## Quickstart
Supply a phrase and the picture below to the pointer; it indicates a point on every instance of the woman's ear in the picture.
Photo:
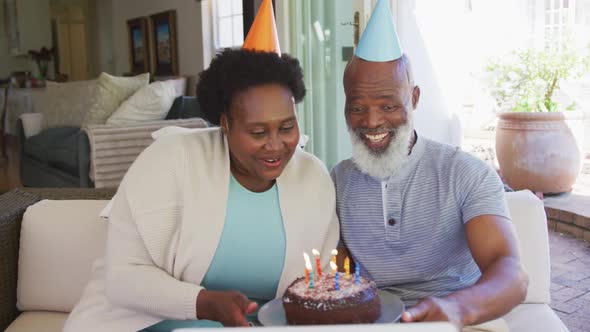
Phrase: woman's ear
(223, 123)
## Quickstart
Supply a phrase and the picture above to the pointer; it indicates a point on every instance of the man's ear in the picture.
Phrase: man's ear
(415, 96)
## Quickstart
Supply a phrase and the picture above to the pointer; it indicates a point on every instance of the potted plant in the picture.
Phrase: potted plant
(42, 58)
(538, 139)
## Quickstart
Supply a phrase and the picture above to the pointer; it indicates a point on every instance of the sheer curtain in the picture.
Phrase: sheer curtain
(319, 35)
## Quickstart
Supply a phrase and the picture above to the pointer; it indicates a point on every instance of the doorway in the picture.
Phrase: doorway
(70, 24)
(322, 35)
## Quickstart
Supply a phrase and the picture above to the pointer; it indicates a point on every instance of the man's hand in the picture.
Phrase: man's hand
(229, 308)
(436, 309)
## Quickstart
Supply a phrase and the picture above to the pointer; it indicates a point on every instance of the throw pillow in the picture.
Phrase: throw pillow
(110, 93)
(66, 104)
(180, 82)
(150, 103)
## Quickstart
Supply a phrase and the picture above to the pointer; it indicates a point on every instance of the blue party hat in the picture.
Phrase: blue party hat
(379, 42)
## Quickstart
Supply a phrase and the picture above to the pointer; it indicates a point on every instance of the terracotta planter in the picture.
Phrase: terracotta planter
(540, 151)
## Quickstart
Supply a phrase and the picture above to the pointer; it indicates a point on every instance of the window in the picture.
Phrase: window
(229, 29)
(559, 19)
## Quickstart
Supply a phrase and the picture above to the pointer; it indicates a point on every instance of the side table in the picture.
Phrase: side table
(19, 101)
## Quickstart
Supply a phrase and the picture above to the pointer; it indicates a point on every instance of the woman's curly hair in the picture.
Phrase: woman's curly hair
(235, 70)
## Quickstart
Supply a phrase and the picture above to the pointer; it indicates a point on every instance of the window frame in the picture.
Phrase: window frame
(249, 10)
(555, 33)
(216, 18)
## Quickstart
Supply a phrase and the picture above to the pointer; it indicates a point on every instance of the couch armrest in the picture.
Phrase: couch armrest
(529, 219)
(12, 207)
(114, 148)
(32, 123)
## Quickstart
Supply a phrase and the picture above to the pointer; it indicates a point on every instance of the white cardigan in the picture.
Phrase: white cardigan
(166, 224)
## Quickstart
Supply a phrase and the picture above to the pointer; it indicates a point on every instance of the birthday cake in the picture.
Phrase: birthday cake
(353, 302)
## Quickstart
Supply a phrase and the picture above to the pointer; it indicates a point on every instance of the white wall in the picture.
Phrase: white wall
(104, 37)
(433, 59)
(35, 31)
(449, 44)
(207, 42)
(188, 21)
(9, 63)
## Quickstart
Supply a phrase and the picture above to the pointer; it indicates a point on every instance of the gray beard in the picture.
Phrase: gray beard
(385, 163)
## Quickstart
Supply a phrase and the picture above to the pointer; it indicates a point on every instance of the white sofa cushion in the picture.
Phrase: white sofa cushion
(66, 104)
(110, 93)
(38, 321)
(534, 318)
(58, 243)
(529, 219)
(150, 103)
(32, 123)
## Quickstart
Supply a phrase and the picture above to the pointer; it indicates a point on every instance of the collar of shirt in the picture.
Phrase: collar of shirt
(415, 155)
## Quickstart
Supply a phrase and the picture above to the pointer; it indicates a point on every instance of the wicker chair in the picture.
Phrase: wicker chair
(12, 207)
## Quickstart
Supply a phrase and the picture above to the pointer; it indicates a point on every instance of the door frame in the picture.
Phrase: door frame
(364, 7)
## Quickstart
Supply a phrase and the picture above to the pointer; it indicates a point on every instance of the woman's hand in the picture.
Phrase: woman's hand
(229, 308)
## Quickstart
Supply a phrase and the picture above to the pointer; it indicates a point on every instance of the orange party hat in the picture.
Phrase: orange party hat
(263, 34)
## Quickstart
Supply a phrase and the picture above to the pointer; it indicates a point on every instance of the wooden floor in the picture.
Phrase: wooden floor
(9, 166)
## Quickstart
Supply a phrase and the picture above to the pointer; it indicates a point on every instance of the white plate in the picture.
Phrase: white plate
(272, 313)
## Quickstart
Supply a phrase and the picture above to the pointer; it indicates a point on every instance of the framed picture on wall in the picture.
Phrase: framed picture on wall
(165, 48)
(139, 55)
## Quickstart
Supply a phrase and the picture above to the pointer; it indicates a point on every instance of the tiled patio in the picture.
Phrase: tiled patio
(570, 280)
(569, 224)
(570, 257)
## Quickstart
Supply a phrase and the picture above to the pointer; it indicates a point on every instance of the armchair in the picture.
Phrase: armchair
(12, 208)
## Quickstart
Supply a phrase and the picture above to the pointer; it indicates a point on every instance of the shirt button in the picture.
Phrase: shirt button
(391, 222)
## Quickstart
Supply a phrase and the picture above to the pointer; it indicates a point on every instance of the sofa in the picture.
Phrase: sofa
(66, 156)
(49, 239)
(87, 133)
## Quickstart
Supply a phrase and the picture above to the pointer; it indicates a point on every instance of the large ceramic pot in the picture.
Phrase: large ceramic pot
(540, 151)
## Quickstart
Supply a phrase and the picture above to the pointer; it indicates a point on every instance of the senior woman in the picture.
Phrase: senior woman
(208, 223)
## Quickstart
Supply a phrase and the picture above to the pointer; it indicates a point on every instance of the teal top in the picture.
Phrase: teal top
(251, 251)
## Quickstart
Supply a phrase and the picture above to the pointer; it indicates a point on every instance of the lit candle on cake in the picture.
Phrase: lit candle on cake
(335, 270)
(357, 274)
(334, 252)
(307, 267)
(317, 262)
(333, 266)
(347, 267)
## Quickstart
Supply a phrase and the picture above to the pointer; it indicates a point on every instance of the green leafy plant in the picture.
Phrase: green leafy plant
(42, 58)
(525, 81)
